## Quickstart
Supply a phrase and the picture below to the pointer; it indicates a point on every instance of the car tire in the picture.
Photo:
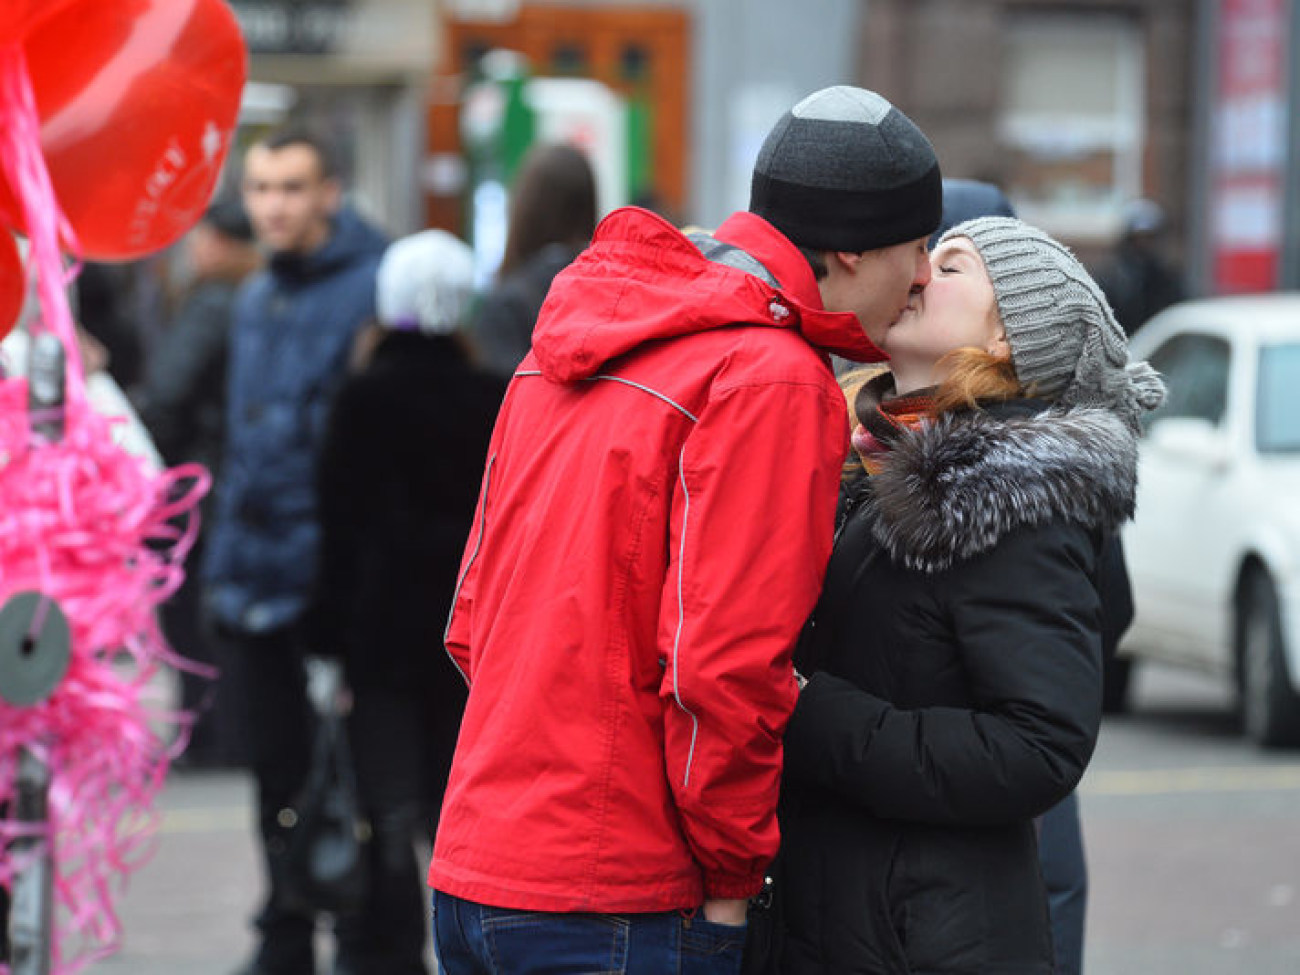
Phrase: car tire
(1270, 707)
(1116, 676)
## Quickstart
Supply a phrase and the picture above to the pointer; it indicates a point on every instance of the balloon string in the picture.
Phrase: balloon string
(23, 164)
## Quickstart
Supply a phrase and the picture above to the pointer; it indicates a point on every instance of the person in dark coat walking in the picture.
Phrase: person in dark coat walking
(182, 402)
(1137, 279)
(294, 324)
(552, 217)
(953, 662)
(398, 481)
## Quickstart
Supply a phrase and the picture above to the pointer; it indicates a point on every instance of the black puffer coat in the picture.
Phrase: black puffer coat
(955, 692)
(398, 480)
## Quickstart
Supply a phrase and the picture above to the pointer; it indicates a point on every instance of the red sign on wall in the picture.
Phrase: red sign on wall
(1249, 145)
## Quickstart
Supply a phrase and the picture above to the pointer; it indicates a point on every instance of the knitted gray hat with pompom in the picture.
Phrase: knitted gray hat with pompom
(1065, 342)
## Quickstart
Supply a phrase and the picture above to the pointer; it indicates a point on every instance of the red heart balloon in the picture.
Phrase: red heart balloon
(138, 100)
(13, 283)
(17, 17)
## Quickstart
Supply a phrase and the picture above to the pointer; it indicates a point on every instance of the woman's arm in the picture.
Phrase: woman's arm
(1027, 621)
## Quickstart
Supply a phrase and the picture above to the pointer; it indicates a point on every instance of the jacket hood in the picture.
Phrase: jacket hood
(351, 239)
(951, 489)
(642, 280)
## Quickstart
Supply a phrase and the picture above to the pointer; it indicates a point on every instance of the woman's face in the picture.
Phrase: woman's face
(956, 310)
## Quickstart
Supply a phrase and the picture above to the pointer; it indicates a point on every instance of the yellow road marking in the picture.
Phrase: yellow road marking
(211, 819)
(1150, 782)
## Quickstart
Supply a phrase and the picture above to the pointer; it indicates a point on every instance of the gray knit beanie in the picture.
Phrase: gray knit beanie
(844, 170)
(1064, 339)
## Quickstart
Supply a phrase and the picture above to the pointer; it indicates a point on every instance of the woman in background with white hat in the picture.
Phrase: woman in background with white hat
(398, 480)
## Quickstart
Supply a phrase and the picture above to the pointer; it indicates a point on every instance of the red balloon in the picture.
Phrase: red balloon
(17, 17)
(13, 283)
(138, 100)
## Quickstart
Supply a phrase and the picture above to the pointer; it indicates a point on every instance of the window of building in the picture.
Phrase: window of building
(1072, 120)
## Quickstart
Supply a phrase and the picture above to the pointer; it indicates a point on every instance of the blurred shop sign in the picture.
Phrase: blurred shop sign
(498, 11)
(1249, 124)
(293, 26)
(365, 36)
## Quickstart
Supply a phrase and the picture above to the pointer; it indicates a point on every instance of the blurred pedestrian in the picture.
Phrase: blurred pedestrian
(953, 662)
(182, 402)
(552, 217)
(294, 324)
(398, 479)
(655, 516)
(1137, 278)
(103, 299)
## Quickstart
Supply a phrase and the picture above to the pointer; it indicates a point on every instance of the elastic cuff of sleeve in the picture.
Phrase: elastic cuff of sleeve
(732, 887)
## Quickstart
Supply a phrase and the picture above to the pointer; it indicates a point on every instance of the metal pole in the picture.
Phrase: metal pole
(31, 909)
(32, 905)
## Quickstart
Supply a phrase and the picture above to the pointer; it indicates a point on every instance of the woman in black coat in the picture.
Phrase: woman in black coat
(398, 480)
(954, 661)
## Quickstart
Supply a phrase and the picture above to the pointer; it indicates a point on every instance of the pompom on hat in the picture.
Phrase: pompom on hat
(425, 283)
(1065, 343)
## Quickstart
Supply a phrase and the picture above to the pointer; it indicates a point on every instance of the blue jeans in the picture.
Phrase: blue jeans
(472, 939)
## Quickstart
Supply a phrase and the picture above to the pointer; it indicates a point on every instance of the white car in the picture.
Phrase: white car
(1214, 550)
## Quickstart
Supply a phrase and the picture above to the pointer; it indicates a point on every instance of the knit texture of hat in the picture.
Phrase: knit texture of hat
(844, 170)
(1065, 342)
(425, 282)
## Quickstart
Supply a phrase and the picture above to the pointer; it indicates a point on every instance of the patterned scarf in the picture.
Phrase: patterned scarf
(881, 419)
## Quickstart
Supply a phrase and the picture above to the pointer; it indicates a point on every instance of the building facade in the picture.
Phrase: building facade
(1074, 108)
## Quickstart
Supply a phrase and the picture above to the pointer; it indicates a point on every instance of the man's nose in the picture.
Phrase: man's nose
(922, 275)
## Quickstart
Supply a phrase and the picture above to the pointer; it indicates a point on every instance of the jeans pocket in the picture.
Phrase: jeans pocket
(709, 948)
(523, 941)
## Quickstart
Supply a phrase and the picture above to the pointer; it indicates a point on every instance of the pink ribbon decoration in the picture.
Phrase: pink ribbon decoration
(89, 526)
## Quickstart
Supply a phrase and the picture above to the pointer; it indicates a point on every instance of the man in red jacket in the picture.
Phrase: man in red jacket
(651, 532)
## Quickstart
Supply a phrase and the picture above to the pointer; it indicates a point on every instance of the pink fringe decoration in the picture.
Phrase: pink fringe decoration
(88, 525)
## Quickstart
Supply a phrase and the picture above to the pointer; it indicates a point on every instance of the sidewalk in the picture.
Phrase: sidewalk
(187, 910)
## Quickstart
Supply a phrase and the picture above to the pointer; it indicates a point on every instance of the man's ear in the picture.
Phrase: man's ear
(998, 345)
(333, 194)
(845, 260)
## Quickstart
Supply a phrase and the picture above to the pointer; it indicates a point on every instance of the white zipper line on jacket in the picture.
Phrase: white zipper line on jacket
(681, 616)
(478, 544)
(627, 382)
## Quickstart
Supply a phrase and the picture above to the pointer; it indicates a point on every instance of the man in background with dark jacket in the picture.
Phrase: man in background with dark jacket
(294, 325)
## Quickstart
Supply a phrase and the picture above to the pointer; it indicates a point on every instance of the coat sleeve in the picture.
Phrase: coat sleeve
(187, 365)
(751, 531)
(1029, 641)
(456, 637)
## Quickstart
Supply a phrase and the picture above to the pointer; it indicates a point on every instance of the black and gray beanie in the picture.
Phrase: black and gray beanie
(844, 170)
(1064, 339)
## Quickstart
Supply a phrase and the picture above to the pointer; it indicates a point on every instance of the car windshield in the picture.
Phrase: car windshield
(1277, 426)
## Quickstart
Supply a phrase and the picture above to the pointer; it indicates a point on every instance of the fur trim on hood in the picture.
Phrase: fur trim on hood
(951, 489)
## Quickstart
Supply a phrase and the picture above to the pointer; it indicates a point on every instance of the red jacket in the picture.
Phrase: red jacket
(653, 525)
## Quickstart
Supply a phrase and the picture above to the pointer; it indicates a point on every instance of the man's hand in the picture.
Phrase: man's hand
(726, 911)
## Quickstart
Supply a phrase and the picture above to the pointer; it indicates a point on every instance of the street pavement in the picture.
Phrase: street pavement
(1192, 837)
(187, 911)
